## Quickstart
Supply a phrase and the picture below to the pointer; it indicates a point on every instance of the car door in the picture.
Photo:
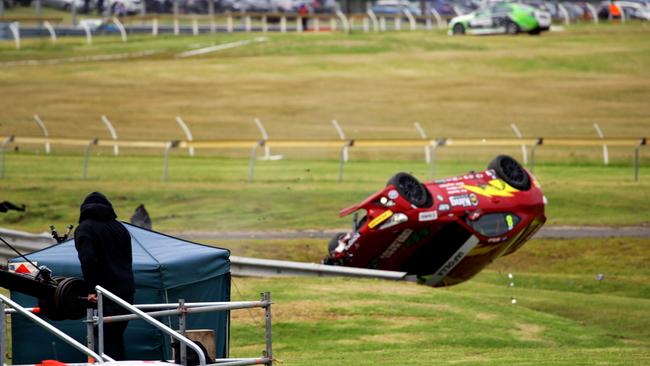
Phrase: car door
(500, 15)
(482, 20)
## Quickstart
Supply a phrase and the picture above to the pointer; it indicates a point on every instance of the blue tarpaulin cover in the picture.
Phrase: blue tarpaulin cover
(165, 268)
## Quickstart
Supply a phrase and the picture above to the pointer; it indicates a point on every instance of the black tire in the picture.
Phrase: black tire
(412, 190)
(535, 32)
(511, 172)
(334, 242)
(458, 29)
(512, 28)
(68, 298)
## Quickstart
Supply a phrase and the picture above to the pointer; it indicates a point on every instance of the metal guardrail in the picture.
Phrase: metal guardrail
(255, 267)
(23, 242)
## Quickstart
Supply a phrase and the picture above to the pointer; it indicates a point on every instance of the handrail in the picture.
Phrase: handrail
(64, 337)
(101, 292)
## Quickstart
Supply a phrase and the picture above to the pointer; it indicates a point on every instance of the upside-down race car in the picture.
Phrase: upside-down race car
(446, 231)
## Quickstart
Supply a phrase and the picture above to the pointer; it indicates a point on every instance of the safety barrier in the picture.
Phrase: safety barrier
(432, 145)
(95, 317)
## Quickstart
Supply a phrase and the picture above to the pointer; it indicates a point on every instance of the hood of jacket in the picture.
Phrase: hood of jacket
(97, 207)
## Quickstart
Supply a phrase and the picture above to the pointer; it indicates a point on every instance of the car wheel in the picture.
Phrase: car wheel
(334, 242)
(458, 29)
(511, 172)
(535, 32)
(411, 189)
(512, 28)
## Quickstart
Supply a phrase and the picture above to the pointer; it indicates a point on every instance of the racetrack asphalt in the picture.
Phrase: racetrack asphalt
(559, 232)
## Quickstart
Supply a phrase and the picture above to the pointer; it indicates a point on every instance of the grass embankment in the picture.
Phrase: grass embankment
(376, 85)
(563, 315)
(212, 194)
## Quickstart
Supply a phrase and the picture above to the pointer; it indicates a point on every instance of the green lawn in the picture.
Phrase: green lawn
(208, 193)
(563, 315)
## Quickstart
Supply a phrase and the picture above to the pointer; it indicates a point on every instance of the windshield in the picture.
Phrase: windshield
(494, 224)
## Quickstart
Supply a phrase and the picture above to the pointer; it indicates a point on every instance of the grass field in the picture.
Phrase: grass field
(558, 84)
(563, 315)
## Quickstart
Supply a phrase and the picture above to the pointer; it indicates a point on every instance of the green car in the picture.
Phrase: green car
(503, 18)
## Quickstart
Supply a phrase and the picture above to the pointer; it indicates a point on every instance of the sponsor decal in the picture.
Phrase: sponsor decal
(454, 188)
(428, 216)
(392, 194)
(381, 218)
(392, 248)
(443, 207)
(440, 197)
(465, 200)
(22, 267)
(494, 188)
(473, 199)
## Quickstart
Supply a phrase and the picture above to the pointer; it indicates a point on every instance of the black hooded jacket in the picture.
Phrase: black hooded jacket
(104, 247)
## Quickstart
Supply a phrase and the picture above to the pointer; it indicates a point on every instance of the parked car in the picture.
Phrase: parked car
(63, 4)
(446, 231)
(631, 9)
(395, 7)
(504, 18)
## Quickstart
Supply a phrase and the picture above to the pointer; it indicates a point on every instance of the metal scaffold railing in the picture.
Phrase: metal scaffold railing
(95, 318)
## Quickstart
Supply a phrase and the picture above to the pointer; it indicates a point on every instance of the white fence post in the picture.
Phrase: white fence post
(339, 130)
(120, 27)
(411, 19)
(316, 24)
(89, 35)
(565, 14)
(382, 23)
(265, 24)
(15, 31)
(436, 15)
(154, 27)
(423, 135)
(247, 23)
(398, 22)
(373, 18)
(50, 29)
(333, 24)
(195, 27)
(229, 25)
(344, 21)
(524, 151)
(111, 129)
(265, 137)
(283, 24)
(366, 24)
(593, 12)
(188, 133)
(605, 150)
(40, 124)
(299, 24)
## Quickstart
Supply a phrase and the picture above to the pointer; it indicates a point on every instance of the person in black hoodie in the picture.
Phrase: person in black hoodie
(104, 248)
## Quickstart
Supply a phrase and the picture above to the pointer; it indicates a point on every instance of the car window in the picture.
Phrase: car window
(495, 224)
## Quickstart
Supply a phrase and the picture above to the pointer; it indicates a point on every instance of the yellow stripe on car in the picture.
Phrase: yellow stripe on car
(496, 187)
(381, 218)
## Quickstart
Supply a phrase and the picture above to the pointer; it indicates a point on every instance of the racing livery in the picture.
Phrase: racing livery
(446, 231)
(502, 18)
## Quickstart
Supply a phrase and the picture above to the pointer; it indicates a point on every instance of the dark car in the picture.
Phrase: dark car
(446, 231)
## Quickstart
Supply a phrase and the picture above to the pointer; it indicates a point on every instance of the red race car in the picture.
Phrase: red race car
(446, 231)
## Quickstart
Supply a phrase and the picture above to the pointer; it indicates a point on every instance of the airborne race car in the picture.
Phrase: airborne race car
(446, 231)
